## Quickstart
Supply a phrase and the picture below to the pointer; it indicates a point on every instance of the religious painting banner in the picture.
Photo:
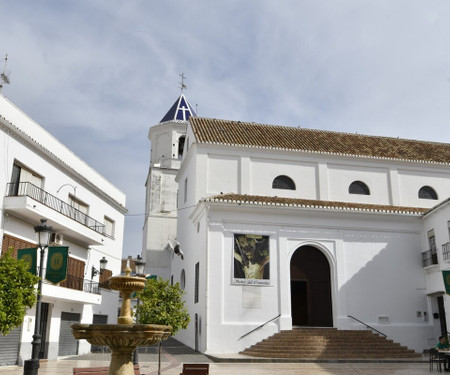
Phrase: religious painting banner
(446, 276)
(30, 256)
(251, 259)
(57, 264)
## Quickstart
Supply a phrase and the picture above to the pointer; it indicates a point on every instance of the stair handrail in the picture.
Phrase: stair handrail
(259, 327)
(367, 326)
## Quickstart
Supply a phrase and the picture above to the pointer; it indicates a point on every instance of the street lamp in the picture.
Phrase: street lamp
(95, 271)
(31, 366)
(140, 265)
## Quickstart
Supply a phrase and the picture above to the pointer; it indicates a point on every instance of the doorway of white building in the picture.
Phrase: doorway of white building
(310, 288)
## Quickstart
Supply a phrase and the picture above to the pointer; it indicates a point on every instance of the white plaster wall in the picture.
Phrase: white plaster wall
(193, 245)
(109, 305)
(241, 170)
(228, 169)
(410, 182)
(264, 171)
(375, 271)
(340, 176)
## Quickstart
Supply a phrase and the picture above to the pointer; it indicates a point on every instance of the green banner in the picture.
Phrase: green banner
(446, 275)
(30, 256)
(57, 264)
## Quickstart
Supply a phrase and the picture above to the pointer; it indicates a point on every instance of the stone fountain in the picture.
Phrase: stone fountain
(122, 338)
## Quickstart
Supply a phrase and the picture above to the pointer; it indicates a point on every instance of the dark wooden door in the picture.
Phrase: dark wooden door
(43, 329)
(311, 288)
(442, 319)
(299, 305)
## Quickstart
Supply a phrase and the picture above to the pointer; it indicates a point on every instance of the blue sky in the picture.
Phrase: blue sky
(97, 74)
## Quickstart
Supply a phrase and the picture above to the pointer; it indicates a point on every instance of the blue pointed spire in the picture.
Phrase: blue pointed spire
(180, 111)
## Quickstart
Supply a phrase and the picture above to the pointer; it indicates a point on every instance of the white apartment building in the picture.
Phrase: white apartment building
(43, 179)
(282, 227)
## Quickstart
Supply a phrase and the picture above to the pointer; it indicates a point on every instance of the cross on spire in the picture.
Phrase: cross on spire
(182, 85)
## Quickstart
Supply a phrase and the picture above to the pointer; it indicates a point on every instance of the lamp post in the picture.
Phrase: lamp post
(140, 266)
(31, 366)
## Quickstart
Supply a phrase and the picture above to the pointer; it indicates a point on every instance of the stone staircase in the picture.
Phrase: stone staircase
(329, 344)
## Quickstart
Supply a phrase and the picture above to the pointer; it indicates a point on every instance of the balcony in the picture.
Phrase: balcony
(78, 283)
(429, 258)
(31, 203)
(446, 251)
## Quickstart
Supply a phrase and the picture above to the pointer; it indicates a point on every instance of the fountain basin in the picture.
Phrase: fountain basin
(121, 335)
(127, 284)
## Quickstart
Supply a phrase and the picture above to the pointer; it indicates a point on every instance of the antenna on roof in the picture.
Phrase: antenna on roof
(4, 76)
(182, 85)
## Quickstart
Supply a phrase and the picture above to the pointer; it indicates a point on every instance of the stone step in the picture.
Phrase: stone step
(329, 343)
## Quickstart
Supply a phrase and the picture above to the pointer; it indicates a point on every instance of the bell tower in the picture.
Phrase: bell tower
(160, 227)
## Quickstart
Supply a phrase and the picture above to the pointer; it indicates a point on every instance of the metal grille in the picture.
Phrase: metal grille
(40, 195)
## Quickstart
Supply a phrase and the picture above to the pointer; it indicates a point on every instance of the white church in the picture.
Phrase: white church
(278, 227)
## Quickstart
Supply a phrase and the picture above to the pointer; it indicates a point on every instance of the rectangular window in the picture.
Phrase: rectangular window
(109, 227)
(432, 240)
(197, 271)
(23, 180)
(185, 189)
(433, 249)
(79, 210)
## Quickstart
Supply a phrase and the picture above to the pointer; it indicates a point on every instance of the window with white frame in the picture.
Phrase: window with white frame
(23, 180)
(79, 210)
(109, 226)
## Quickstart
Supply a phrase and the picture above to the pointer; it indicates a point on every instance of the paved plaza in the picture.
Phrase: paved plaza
(175, 354)
(64, 367)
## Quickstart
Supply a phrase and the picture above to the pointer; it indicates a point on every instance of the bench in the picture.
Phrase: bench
(98, 370)
(195, 369)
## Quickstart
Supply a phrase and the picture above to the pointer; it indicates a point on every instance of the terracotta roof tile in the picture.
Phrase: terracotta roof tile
(315, 204)
(290, 138)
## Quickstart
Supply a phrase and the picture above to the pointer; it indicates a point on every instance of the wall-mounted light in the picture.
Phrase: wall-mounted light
(95, 271)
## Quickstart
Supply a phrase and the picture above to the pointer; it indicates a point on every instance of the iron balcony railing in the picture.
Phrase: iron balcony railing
(446, 251)
(429, 257)
(40, 195)
(78, 283)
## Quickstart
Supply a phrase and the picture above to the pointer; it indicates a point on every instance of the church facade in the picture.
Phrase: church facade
(282, 227)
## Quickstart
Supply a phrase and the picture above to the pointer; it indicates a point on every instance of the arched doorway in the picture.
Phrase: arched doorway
(310, 288)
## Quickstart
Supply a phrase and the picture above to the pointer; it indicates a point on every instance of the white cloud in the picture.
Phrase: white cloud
(108, 70)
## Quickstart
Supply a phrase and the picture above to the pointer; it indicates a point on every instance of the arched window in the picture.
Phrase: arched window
(283, 182)
(358, 187)
(427, 192)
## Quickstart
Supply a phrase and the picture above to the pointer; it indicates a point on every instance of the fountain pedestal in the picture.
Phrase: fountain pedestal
(124, 337)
